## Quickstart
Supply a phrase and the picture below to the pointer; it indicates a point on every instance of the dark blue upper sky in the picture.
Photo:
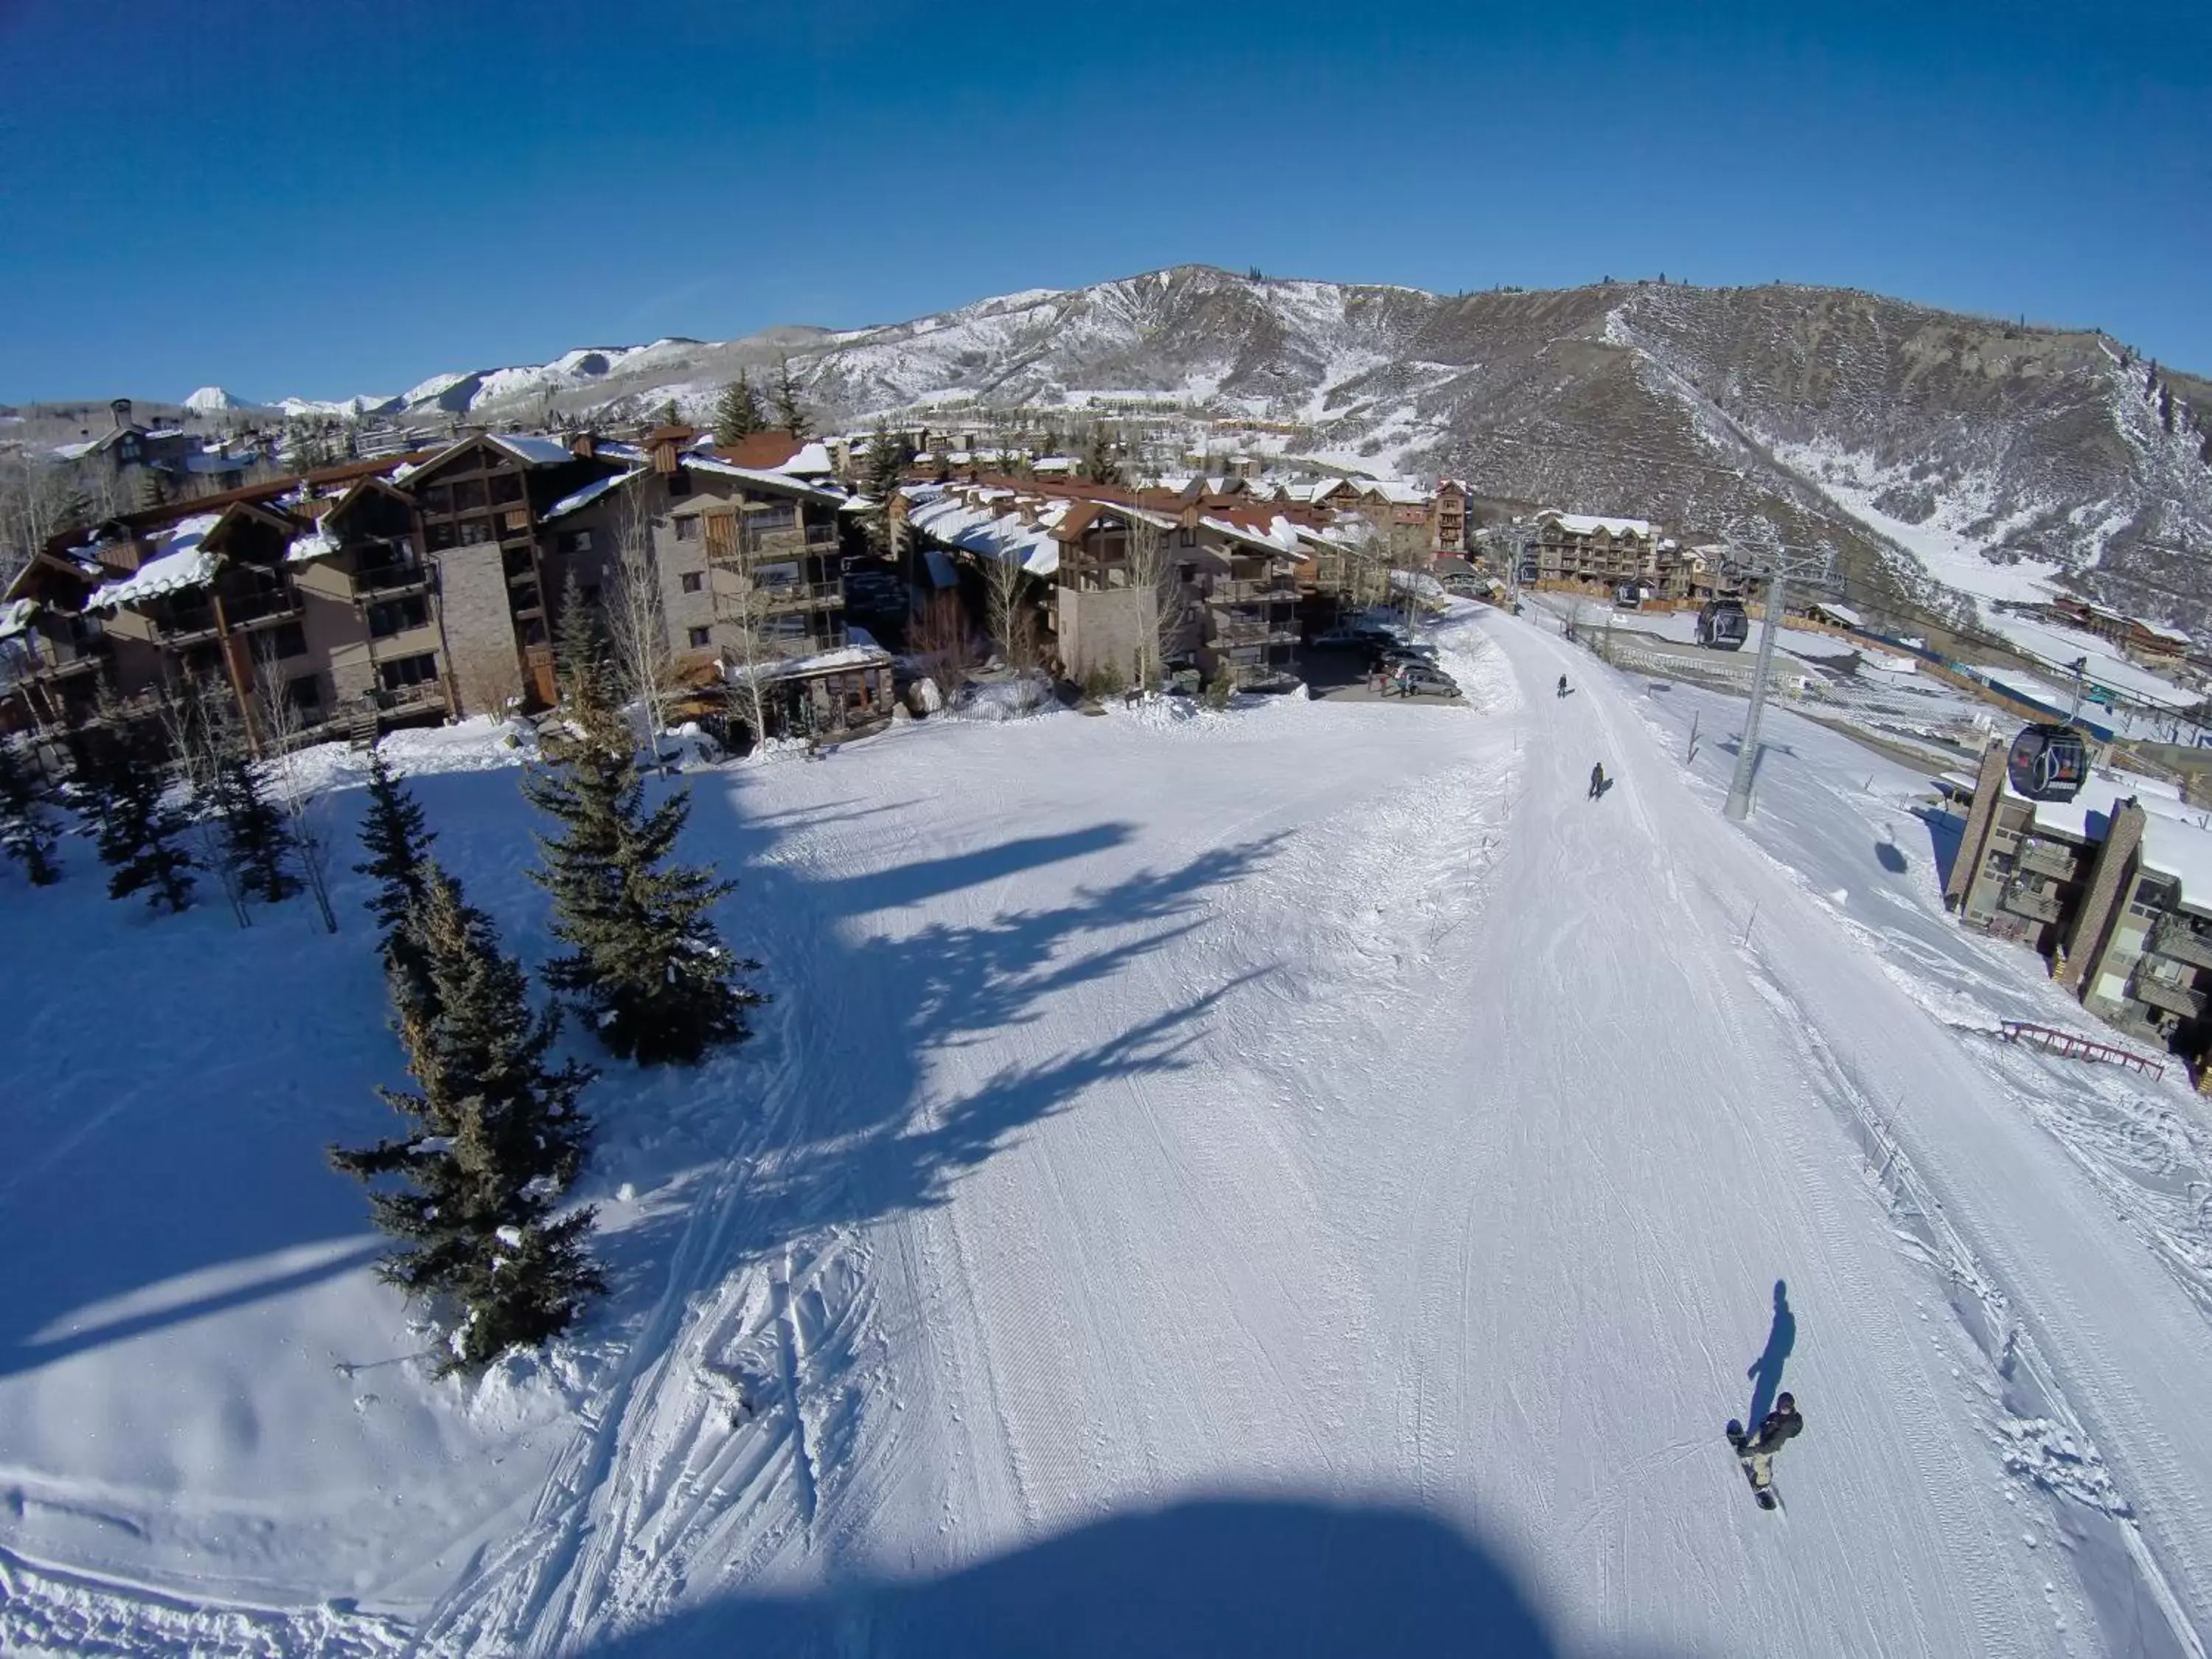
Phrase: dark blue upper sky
(322, 198)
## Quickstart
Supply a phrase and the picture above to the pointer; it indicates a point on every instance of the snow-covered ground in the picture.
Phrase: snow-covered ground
(1303, 1180)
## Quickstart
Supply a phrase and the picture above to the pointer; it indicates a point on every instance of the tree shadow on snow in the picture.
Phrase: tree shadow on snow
(1222, 1576)
(1890, 856)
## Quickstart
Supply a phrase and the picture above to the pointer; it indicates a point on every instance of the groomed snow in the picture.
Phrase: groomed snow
(1303, 1179)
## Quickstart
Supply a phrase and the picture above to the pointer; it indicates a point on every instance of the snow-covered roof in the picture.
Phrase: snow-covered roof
(317, 543)
(2182, 849)
(811, 461)
(1280, 536)
(775, 478)
(1582, 524)
(2158, 632)
(528, 446)
(822, 662)
(1838, 613)
(2099, 797)
(1396, 492)
(576, 499)
(988, 535)
(16, 615)
(182, 564)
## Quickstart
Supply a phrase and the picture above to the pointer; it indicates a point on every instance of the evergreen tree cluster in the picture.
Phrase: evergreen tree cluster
(138, 823)
(494, 1136)
(737, 412)
(790, 413)
(645, 964)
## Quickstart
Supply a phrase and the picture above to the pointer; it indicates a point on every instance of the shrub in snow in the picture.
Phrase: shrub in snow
(495, 1135)
(644, 958)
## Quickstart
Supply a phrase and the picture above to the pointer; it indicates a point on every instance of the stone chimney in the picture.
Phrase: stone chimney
(584, 444)
(121, 407)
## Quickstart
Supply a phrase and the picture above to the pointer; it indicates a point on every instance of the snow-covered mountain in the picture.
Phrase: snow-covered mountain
(212, 400)
(1940, 453)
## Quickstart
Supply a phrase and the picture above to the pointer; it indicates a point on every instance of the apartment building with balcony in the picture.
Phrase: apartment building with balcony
(748, 562)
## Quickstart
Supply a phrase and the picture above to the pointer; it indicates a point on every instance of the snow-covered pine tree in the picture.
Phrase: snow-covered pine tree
(398, 848)
(139, 828)
(737, 410)
(256, 843)
(645, 960)
(790, 414)
(881, 467)
(28, 829)
(495, 1135)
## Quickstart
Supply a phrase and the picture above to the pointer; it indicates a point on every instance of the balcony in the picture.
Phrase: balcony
(1248, 630)
(387, 581)
(2173, 999)
(2030, 901)
(800, 596)
(1262, 590)
(2048, 857)
(2177, 941)
(195, 624)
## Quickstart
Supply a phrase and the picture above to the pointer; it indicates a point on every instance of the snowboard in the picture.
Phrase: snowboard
(1765, 1497)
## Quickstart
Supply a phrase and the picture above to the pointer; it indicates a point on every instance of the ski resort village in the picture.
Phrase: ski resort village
(1372, 944)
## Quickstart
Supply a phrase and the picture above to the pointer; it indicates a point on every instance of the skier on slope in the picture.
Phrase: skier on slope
(1597, 780)
(1758, 1450)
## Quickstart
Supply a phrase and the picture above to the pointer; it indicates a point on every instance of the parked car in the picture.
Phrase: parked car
(1341, 639)
(1421, 677)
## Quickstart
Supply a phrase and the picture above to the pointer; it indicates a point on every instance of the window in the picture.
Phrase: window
(288, 641)
(474, 530)
(506, 487)
(468, 493)
(1189, 535)
(438, 498)
(679, 483)
(405, 671)
(687, 529)
(576, 541)
(438, 534)
(305, 693)
(693, 581)
(700, 638)
(780, 516)
(391, 617)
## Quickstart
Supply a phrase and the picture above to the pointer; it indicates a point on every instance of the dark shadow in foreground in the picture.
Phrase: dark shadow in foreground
(1946, 830)
(1216, 1576)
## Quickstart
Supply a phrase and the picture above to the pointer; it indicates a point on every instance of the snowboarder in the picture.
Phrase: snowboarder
(1563, 685)
(1757, 1450)
(1597, 780)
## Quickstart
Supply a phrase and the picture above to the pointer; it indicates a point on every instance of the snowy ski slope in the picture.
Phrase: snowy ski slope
(1304, 1182)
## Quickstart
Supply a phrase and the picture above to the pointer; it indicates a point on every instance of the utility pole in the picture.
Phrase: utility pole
(1777, 566)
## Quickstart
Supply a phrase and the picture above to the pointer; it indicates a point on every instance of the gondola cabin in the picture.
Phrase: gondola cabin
(1723, 625)
(2048, 763)
(1628, 596)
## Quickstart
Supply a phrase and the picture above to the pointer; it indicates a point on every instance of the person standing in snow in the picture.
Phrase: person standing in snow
(1779, 1426)
(1597, 780)
(1563, 685)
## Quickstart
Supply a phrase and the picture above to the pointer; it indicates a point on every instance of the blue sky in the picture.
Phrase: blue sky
(322, 198)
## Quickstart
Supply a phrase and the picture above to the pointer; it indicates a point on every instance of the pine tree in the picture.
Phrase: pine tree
(138, 827)
(257, 844)
(790, 416)
(398, 849)
(737, 410)
(495, 1135)
(645, 959)
(2165, 407)
(27, 826)
(668, 413)
(1099, 464)
(881, 468)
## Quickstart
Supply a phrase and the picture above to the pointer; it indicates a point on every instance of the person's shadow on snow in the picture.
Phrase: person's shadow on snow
(1766, 1371)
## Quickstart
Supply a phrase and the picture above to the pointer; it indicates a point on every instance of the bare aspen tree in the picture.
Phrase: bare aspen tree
(1154, 573)
(637, 621)
(1005, 613)
(741, 612)
(198, 718)
(939, 637)
(284, 732)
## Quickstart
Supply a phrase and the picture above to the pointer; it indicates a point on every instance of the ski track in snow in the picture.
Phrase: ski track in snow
(1330, 1103)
